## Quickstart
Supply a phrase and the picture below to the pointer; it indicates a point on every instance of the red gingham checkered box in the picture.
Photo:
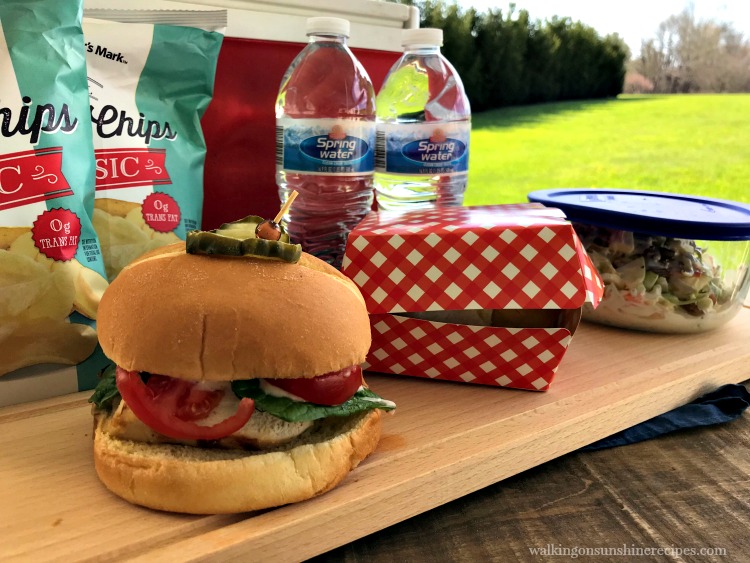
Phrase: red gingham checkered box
(522, 256)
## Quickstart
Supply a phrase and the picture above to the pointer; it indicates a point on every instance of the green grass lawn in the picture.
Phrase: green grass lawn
(690, 144)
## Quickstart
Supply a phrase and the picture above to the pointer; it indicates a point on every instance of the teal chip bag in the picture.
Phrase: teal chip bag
(151, 77)
(52, 274)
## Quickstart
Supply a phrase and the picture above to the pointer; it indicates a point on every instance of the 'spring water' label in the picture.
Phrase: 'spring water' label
(325, 146)
(423, 149)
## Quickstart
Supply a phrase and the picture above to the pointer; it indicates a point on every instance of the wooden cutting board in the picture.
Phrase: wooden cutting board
(444, 441)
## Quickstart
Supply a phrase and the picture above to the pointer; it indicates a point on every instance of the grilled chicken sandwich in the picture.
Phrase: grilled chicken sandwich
(237, 383)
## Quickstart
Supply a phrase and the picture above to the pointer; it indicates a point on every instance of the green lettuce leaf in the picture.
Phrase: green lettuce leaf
(294, 411)
(106, 393)
(106, 390)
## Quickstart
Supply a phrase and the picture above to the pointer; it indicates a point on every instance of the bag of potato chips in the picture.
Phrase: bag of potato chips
(151, 76)
(51, 269)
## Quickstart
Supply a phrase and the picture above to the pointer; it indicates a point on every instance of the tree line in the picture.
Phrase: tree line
(509, 58)
(692, 56)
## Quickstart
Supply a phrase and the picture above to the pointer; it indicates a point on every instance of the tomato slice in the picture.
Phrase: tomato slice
(190, 402)
(169, 406)
(332, 388)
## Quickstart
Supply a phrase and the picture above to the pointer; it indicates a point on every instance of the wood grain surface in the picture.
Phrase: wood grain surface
(689, 491)
(445, 441)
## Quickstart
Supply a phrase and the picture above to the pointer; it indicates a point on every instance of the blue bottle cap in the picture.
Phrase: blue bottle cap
(654, 213)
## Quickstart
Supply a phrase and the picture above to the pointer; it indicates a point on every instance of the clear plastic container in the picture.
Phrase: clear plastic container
(325, 141)
(424, 124)
(669, 263)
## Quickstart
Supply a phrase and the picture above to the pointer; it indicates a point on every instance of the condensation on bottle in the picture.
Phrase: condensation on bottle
(423, 129)
(325, 141)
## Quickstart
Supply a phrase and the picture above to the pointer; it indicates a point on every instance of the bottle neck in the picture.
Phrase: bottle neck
(328, 38)
(422, 49)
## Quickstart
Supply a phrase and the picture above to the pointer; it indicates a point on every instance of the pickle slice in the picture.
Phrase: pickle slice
(245, 228)
(238, 239)
(274, 249)
(211, 242)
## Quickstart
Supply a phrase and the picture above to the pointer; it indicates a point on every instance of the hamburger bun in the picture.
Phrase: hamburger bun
(221, 318)
(214, 481)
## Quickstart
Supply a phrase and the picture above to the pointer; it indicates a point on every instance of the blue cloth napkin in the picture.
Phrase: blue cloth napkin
(722, 405)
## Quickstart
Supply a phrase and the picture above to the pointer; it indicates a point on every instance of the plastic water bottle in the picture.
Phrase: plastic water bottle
(325, 141)
(423, 127)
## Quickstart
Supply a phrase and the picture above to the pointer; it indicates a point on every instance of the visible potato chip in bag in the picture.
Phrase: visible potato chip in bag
(52, 274)
(151, 76)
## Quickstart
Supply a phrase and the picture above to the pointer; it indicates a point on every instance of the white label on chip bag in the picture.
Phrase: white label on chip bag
(149, 85)
(115, 63)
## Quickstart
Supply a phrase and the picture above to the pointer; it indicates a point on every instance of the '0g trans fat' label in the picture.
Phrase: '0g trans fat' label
(325, 146)
(423, 148)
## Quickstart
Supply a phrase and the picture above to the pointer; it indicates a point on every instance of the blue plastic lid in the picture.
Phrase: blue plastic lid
(654, 213)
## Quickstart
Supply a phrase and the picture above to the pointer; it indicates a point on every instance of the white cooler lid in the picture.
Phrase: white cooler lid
(375, 24)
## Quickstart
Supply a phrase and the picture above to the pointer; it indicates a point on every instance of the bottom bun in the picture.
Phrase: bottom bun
(215, 481)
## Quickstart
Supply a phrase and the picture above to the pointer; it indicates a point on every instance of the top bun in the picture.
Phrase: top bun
(222, 318)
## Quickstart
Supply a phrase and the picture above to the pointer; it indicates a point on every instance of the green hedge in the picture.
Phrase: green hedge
(509, 59)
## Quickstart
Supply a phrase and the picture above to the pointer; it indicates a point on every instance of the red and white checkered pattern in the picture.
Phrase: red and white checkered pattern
(495, 257)
(522, 358)
(522, 256)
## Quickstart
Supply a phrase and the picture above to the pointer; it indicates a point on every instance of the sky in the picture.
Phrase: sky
(633, 20)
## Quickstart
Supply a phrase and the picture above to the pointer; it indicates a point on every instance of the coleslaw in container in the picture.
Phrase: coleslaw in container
(670, 263)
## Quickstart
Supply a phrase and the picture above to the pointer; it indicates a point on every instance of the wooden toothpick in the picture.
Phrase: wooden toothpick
(285, 207)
